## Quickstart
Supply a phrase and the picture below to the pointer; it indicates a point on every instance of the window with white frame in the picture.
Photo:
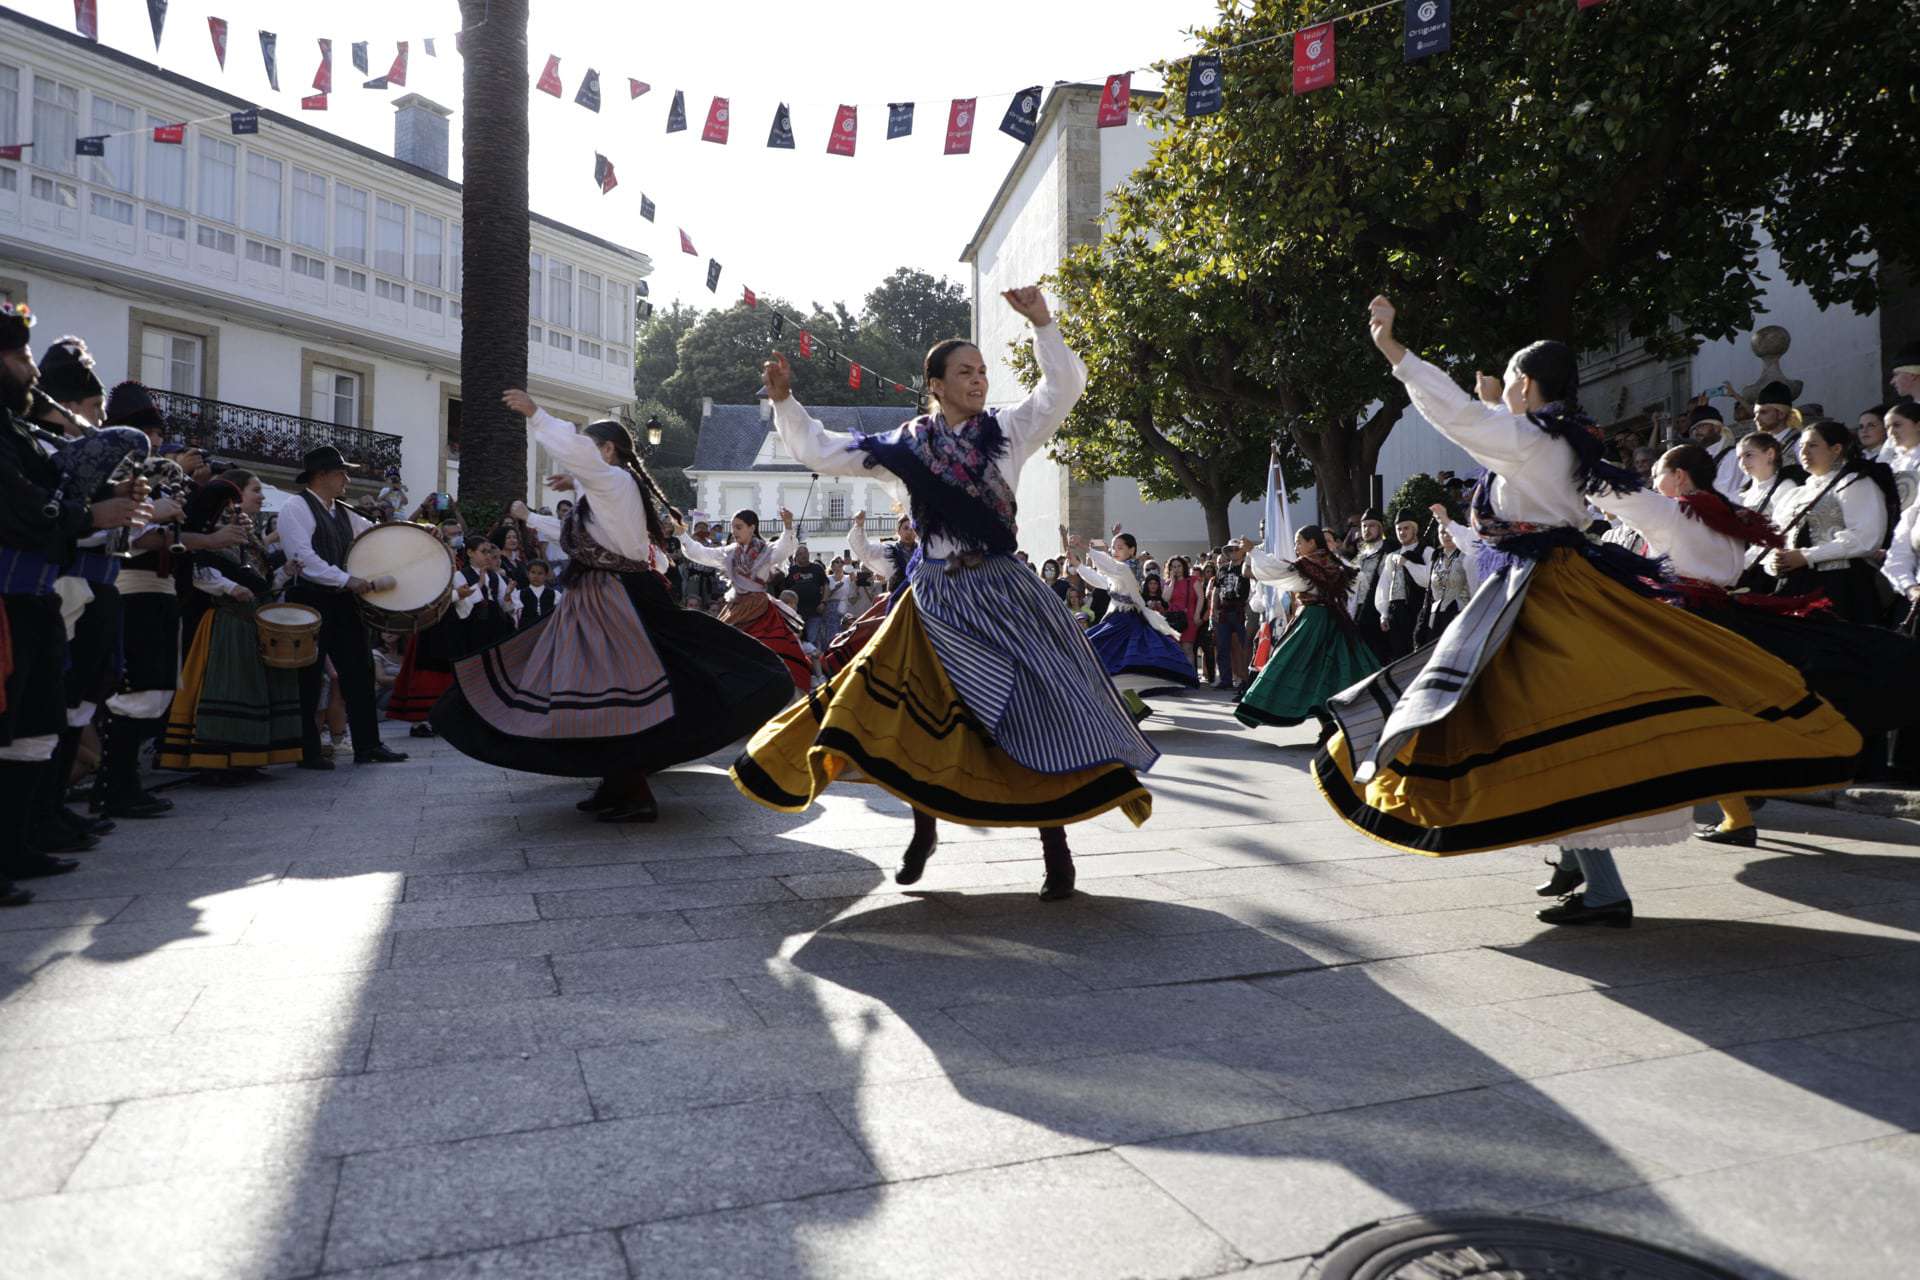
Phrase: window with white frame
(389, 237)
(172, 361)
(456, 270)
(56, 123)
(63, 195)
(590, 304)
(390, 291)
(309, 209)
(263, 253)
(9, 101)
(429, 249)
(166, 224)
(213, 238)
(619, 312)
(836, 505)
(115, 168)
(218, 161)
(311, 268)
(559, 341)
(166, 168)
(264, 175)
(430, 302)
(348, 278)
(536, 292)
(336, 396)
(349, 223)
(559, 293)
(112, 208)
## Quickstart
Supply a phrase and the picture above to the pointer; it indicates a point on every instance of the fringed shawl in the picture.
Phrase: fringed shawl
(956, 490)
(1743, 524)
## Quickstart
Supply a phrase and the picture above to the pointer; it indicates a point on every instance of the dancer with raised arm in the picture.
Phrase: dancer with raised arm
(746, 563)
(617, 682)
(978, 700)
(1321, 652)
(1564, 706)
(1136, 646)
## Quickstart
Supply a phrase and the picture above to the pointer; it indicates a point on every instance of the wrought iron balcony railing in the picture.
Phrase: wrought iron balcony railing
(246, 434)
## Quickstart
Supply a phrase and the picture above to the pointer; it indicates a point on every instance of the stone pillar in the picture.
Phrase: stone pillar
(1083, 503)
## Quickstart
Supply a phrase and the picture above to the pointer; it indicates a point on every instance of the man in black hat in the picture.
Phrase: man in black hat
(130, 405)
(1906, 372)
(67, 376)
(1709, 431)
(1773, 413)
(1401, 592)
(316, 532)
(1370, 558)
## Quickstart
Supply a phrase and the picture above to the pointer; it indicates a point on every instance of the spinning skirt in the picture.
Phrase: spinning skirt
(844, 647)
(1127, 644)
(232, 711)
(978, 701)
(773, 625)
(1314, 660)
(1600, 706)
(616, 678)
(1870, 674)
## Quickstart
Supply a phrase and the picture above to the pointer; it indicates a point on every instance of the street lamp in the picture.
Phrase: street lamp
(655, 432)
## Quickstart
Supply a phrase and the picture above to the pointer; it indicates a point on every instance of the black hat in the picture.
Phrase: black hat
(1405, 515)
(1373, 513)
(16, 326)
(320, 461)
(1908, 357)
(1775, 393)
(129, 405)
(66, 371)
(1705, 413)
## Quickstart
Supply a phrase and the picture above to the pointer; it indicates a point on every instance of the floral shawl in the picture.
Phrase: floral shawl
(955, 488)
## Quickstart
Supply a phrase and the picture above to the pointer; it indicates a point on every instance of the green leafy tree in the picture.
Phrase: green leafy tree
(656, 349)
(1416, 494)
(911, 310)
(669, 460)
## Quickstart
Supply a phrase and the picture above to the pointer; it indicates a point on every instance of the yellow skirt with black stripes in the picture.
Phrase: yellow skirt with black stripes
(1601, 706)
(892, 718)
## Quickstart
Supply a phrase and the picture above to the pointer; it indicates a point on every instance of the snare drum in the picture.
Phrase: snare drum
(422, 572)
(289, 635)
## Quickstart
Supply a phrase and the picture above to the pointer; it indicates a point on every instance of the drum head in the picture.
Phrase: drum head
(421, 565)
(288, 615)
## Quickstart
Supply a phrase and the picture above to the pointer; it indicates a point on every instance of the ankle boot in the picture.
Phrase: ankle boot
(1059, 865)
(633, 800)
(926, 838)
(120, 772)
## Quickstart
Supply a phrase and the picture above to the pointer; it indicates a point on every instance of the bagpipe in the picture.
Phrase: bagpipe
(103, 458)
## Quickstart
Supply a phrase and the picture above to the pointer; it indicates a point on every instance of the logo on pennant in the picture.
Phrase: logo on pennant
(360, 56)
(1022, 120)
(92, 146)
(247, 121)
(1429, 28)
(713, 275)
(806, 344)
(603, 173)
(217, 28)
(846, 126)
(781, 135)
(899, 120)
(173, 133)
(589, 95)
(960, 126)
(314, 102)
(747, 297)
(268, 55)
(716, 128)
(779, 323)
(397, 73)
(677, 113)
(636, 87)
(853, 376)
(14, 150)
(686, 243)
(1313, 58)
(323, 78)
(1204, 90)
(549, 82)
(646, 211)
(1115, 101)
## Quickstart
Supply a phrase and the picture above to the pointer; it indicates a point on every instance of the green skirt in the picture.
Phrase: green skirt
(232, 711)
(1312, 662)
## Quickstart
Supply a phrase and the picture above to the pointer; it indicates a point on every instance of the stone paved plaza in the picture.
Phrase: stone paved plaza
(426, 1021)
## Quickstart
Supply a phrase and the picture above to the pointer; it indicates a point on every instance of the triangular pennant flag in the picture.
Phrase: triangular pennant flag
(806, 344)
(269, 43)
(323, 78)
(899, 120)
(1204, 89)
(247, 121)
(427, 44)
(853, 376)
(314, 102)
(157, 15)
(589, 95)
(716, 130)
(603, 173)
(686, 244)
(378, 82)
(1429, 28)
(1313, 58)
(960, 126)
(173, 133)
(846, 127)
(779, 323)
(641, 288)
(360, 56)
(1022, 120)
(397, 73)
(677, 113)
(748, 298)
(646, 208)
(897, 388)
(550, 78)
(14, 150)
(636, 87)
(646, 311)
(86, 18)
(781, 135)
(217, 28)
(96, 145)
(1115, 101)
(713, 275)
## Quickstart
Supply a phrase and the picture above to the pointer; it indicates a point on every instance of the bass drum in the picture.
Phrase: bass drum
(422, 571)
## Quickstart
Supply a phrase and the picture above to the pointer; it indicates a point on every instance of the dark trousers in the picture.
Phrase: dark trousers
(1402, 616)
(343, 639)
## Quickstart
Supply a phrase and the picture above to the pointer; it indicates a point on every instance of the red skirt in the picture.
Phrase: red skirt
(416, 689)
(844, 647)
(767, 622)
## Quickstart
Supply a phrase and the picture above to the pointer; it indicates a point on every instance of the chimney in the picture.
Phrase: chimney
(420, 133)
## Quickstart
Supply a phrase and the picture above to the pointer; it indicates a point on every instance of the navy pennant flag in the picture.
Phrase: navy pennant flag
(1429, 28)
(603, 173)
(677, 113)
(1204, 90)
(1023, 115)
(713, 275)
(378, 82)
(646, 312)
(779, 323)
(93, 146)
(781, 135)
(268, 41)
(641, 288)
(646, 208)
(428, 42)
(589, 95)
(360, 56)
(899, 120)
(157, 15)
(247, 121)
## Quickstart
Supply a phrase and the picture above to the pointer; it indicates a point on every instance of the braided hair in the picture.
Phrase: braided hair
(625, 456)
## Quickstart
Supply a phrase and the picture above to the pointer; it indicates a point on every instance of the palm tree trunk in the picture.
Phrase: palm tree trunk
(493, 333)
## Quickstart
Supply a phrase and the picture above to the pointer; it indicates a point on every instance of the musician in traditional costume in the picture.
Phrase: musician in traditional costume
(1369, 561)
(1400, 590)
(979, 700)
(747, 563)
(1321, 651)
(1709, 431)
(618, 682)
(1564, 706)
(1837, 525)
(316, 529)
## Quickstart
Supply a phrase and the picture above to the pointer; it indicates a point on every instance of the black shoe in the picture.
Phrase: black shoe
(379, 755)
(1567, 876)
(421, 730)
(147, 807)
(1058, 884)
(913, 863)
(600, 801)
(1573, 909)
(61, 841)
(90, 826)
(13, 896)
(147, 797)
(37, 865)
(644, 810)
(318, 763)
(1741, 837)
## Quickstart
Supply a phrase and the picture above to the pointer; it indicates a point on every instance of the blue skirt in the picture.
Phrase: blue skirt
(1127, 644)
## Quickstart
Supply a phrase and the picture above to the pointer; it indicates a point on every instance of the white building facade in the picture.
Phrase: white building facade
(283, 288)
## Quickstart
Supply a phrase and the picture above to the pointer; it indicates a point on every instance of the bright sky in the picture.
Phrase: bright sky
(801, 224)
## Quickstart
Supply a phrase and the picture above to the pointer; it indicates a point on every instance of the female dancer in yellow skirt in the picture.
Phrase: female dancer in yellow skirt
(978, 699)
(1563, 706)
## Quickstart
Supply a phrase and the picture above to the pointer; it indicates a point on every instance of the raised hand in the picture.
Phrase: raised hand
(560, 483)
(786, 517)
(1440, 512)
(518, 510)
(519, 401)
(860, 521)
(779, 377)
(1380, 317)
(1489, 388)
(1031, 304)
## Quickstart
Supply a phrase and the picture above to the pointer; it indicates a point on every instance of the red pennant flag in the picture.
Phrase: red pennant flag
(323, 78)
(1115, 101)
(86, 18)
(806, 344)
(686, 244)
(398, 73)
(960, 126)
(716, 130)
(636, 87)
(174, 133)
(603, 173)
(14, 151)
(1313, 58)
(749, 299)
(217, 28)
(550, 78)
(314, 102)
(846, 124)
(853, 376)
(898, 388)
